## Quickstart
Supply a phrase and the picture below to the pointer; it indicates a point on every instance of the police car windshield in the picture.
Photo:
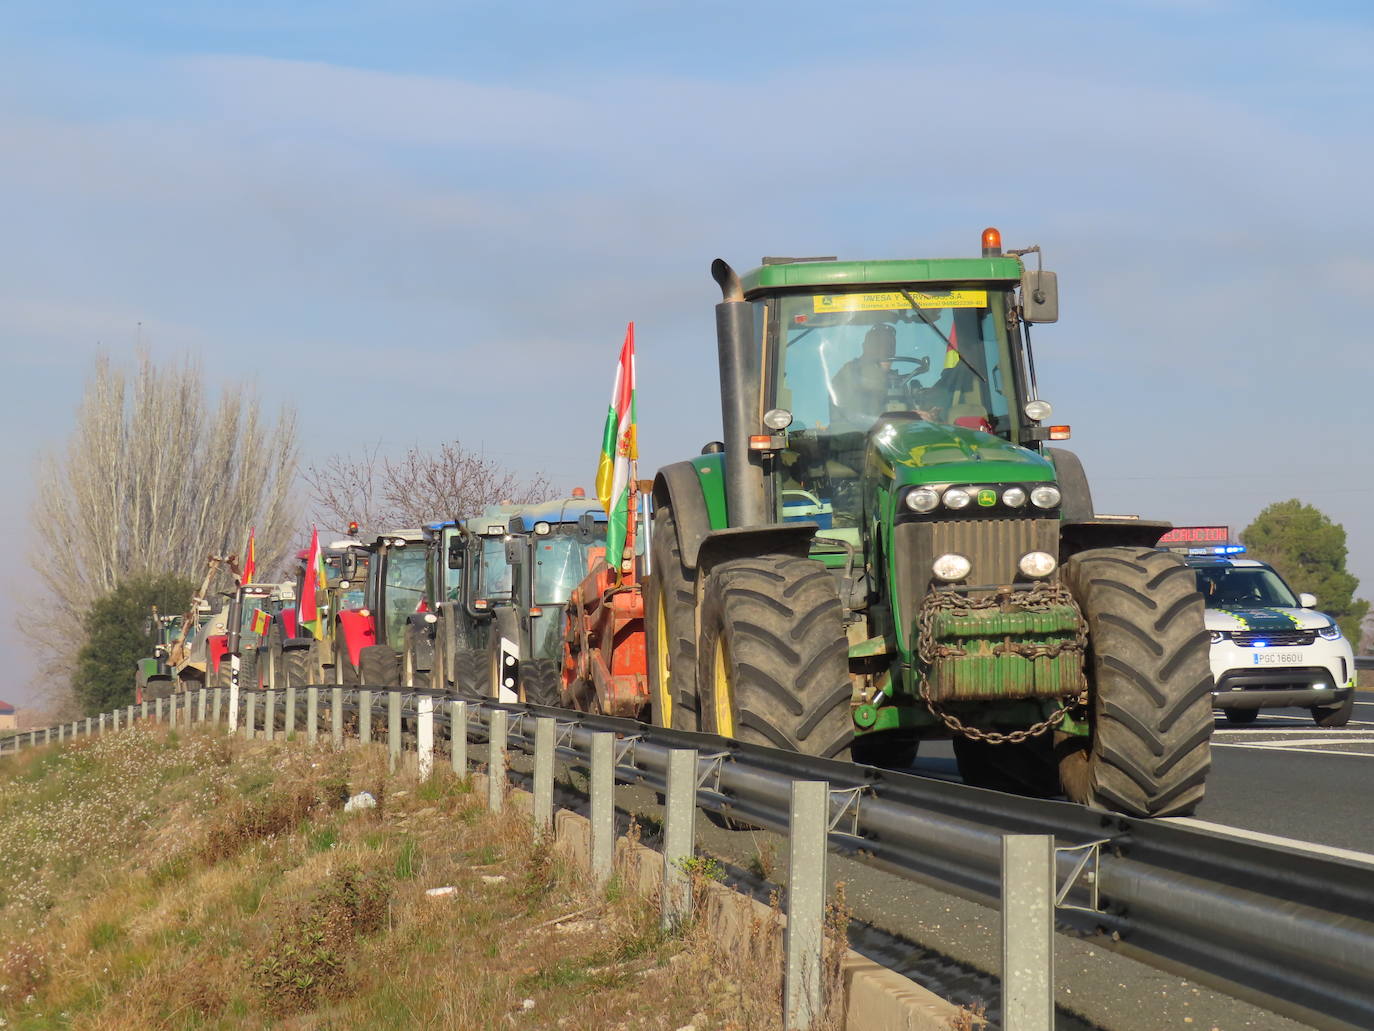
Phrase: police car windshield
(1244, 587)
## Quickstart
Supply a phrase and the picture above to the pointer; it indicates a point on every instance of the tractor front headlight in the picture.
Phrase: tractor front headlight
(951, 567)
(957, 497)
(1013, 497)
(922, 499)
(1046, 496)
(1037, 564)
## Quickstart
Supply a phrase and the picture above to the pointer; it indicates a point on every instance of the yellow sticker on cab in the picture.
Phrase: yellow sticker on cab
(898, 302)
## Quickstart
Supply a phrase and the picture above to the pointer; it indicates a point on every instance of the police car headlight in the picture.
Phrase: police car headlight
(1330, 633)
(1218, 636)
(1045, 497)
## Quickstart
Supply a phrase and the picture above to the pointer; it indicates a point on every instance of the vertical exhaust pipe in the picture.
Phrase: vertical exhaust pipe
(739, 358)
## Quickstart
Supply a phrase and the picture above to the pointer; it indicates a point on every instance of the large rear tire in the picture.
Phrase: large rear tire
(772, 661)
(542, 681)
(1150, 685)
(1334, 715)
(378, 666)
(670, 630)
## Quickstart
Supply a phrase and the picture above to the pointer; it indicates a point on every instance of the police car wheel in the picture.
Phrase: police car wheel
(1335, 715)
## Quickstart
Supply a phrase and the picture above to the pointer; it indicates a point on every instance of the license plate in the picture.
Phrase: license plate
(1268, 658)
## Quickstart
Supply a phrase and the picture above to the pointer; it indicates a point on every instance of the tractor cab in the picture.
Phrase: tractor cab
(551, 546)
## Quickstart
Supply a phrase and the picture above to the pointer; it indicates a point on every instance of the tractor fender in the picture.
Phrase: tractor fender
(1077, 501)
(216, 647)
(422, 626)
(746, 541)
(292, 644)
(1110, 533)
(359, 632)
(678, 487)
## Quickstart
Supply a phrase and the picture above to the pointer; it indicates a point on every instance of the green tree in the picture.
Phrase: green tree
(116, 637)
(1308, 550)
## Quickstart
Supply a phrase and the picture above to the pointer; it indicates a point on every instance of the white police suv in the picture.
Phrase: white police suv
(1269, 648)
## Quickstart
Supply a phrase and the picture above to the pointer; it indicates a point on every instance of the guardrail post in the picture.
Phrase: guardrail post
(545, 731)
(158, 707)
(393, 730)
(364, 716)
(1028, 883)
(33, 738)
(218, 700)
(424, 735)
(200, 705)
(496, 762)
(289, 719)
(88, 726)
(269, 721)
(101, 721)
(603, 809)
(61, 733)
(47, 735)
(312, 714)
(458, 737)
(679, 835)
(144, 714)
(233, 704)
(250, 713)
(336, 716)
(808, 829)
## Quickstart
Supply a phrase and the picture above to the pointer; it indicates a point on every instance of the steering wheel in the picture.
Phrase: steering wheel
(900, 382)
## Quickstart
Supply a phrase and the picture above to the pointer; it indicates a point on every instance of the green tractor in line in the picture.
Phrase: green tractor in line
(885, 549)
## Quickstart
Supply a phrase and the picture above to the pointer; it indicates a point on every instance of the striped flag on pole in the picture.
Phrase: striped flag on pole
(250, 559)
(314, 588)
(619, 450)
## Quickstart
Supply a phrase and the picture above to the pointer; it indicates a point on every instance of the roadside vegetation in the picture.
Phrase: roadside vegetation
(157, 879)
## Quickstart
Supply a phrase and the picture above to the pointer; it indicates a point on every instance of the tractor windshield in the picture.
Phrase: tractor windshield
(843, 360)
(405, 587)
(560, 564)
(494, 582)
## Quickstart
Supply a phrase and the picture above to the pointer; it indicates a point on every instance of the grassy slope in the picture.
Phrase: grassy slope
(173, 880)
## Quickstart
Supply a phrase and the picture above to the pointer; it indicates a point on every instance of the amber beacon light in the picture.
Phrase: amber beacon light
(992, 242)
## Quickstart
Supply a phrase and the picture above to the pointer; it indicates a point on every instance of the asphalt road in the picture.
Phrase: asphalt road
(1278, 776)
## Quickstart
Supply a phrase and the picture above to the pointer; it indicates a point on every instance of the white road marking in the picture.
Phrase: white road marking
(1273, 839)
(1295, 742)
(1290, 751)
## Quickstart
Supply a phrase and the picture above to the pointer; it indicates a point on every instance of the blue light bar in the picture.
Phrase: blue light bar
(1218, 549)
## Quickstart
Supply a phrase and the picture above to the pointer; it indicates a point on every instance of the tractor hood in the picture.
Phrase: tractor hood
(915, 451)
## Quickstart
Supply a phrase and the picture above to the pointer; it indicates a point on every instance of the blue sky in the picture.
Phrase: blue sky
(464, 203)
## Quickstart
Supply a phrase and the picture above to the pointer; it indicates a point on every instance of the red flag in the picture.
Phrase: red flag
(250, 560)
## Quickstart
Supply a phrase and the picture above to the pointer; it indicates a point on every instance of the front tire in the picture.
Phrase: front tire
(772, 661)
(670, 630)
(1149, 681)
(1335, 715)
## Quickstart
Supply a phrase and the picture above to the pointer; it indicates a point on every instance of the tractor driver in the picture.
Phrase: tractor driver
(858, 393)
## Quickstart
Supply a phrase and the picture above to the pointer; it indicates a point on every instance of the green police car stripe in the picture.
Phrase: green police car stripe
(1261, 620)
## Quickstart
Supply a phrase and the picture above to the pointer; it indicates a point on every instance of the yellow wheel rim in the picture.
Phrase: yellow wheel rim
(663, 699)
(722, 693)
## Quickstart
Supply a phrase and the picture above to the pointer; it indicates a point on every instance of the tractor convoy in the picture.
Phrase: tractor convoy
(884, 547)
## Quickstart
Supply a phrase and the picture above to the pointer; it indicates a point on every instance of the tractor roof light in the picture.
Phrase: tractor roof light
(1037, 410)
(992, 242)
(542, 529)
(777, 418)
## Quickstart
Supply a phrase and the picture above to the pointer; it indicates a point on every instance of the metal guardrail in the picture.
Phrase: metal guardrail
(1364, 661)
(1279, 923)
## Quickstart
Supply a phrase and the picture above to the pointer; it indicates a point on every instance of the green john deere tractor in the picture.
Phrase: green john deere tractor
(884, 549)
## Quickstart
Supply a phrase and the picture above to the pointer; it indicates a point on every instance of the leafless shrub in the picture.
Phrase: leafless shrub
(379, 493)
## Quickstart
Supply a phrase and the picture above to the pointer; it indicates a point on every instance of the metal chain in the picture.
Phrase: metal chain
(1040, 597)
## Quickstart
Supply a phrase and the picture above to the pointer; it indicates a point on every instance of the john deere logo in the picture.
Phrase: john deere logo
(987, 498)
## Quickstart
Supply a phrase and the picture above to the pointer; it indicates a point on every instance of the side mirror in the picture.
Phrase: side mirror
(455, 553)
(350, 565)
(1307, 601)
(1039, 296)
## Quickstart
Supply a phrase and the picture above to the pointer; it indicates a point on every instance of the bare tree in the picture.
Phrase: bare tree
(422, 486)
(156, 476)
